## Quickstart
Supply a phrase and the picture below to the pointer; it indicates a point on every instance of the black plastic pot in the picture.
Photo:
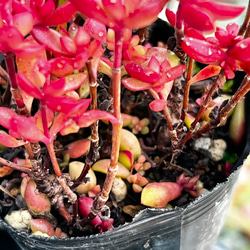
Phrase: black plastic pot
(195, 227)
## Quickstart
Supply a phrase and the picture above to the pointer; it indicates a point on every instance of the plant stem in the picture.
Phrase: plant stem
(15, 166)
(10, 64)
(93, 153)
(113, 167)
(219, 81)
(245, 24)
(239, 94)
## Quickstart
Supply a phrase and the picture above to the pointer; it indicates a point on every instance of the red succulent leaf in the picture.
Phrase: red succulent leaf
(10, 38)
(200, 19)
(81, 59)
(172, 74)
(141, 73)
(6, 115)
(67, 105)
(221, 11)
(68, 44)
(44, 10)
(241, 51)
(50, 38)
(202, 51)
(136, 85)
(171, 17)
(95, 29)
(10, 141)
(207, 72)
(63, 85)
(61, 15)
(25, 127)
(58, 124)
(158, 105)
(82, 37)
(194, 33)
(121, 14)
(23, 22)
(27, 86)
(89, 117)
(61, 66)
(154, 64)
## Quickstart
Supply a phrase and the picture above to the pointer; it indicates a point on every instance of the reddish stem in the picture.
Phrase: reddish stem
(112, 170)
(10, 64)
(219, 81)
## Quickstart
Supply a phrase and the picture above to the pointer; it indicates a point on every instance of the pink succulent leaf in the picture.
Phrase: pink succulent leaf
(64, 85)
(44, 10)
(158, 105)
(10, 38)
(241, 51)
(141, 72)
(68, 44)
(95, 29)
(24, 22)
(202, 51)
(61, 15)
(26, 128)
(27, 86)
(233, 29)
(171, 17)
(9, 141)
(114, 10)
(145, 14)
(190, 32)
(122, 14)
(67, 104)
(221, 11)
(82, 37)
(81, 59)
(28, 50)
(200, 19)
(50, 38)
(154, 64)
(136, 85)
(223, 37)
(89, 117)
(207, 72)
(6, 115)
(61, 66)
(172, 74)
(58, 124)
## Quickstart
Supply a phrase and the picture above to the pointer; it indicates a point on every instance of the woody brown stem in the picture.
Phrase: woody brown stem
(245, 24)
(10, 64)
(220, 80)
(93, 153)
(15, 166)
(113, 167)
(239, 94)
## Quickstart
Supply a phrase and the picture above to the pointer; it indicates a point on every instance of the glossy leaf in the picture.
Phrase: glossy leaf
(158, 105)
(50, 38)
(141, 73)
(10, 141)
(25, 127)
(202, 51)
(63, 85)
(207, 72)
(136, 85)
(6, 115)
(241, 51)
(68, 105)
(27, 86)
(61, 66)
(61, 15)
(89, 117)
